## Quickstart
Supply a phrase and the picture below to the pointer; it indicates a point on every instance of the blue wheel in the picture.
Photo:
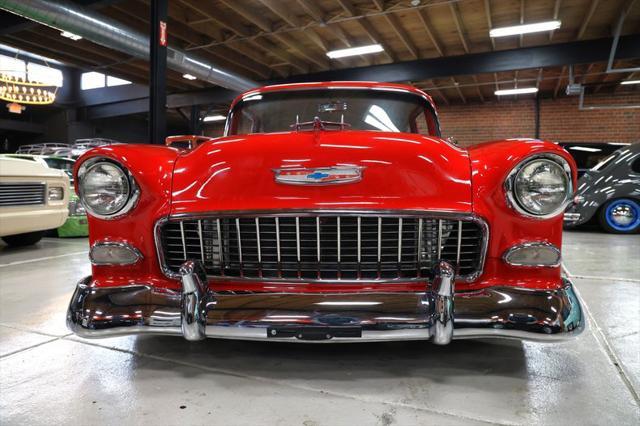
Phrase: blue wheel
(621, 216)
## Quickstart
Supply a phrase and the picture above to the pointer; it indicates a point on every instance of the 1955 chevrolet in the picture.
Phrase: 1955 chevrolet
(328, 212)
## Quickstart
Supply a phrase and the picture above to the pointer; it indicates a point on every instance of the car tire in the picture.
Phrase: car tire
(21, 240)
(611, 222)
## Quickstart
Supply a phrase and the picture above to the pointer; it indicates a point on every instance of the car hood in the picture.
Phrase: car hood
(399, 171)
(17, 167)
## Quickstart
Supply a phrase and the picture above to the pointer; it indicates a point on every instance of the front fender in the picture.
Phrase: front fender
(152, 168)
(490, 165)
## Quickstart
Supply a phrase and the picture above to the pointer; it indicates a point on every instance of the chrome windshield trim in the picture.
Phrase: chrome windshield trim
(430, 214)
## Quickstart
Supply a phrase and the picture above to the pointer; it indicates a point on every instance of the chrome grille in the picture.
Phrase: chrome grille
(322, 247)
(22, 194)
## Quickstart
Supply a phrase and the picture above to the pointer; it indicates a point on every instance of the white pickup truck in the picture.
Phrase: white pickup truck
(33, 199)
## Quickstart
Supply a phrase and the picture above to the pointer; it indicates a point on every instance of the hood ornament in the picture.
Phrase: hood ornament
(319, 175)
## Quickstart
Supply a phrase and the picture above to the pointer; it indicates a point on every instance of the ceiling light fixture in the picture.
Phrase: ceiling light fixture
(355, 51)
(525, 29)
(189, 76)
(72, 36)
(215, 117)
(521, 91)
(630, 82)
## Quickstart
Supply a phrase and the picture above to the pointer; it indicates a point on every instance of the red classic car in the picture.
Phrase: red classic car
(328, 212)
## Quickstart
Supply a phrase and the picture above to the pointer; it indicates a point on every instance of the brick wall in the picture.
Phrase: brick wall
(560, 120)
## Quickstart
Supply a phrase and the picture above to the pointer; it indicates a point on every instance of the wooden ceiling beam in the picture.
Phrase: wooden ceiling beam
(229, 22)
(556, 15)
(280, 9)
(402, 35)
(286, 39)
(379, 4)
(319, 16)
(428, 28)
(249, 13)
(521, 38)
(587, 18)
(457, 19)
(373, 34)
(313, 10)
(487, 11)
(223, 55)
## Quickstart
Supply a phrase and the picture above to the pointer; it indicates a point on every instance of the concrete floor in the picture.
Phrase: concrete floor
(48, 376)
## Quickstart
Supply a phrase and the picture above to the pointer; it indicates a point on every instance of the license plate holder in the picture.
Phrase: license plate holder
(313, 332)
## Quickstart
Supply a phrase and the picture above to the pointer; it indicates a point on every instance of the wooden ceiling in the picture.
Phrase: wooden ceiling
(267, 39)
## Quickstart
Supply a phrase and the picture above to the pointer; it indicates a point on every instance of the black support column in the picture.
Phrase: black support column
(195, 120)
(158, 71)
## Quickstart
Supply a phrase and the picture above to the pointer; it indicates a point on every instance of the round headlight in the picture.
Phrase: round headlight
(540, 187)
(105, 189)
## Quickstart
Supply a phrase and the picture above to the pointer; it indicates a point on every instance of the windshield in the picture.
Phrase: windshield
(375, 110)
(604, 162)
(61, 164)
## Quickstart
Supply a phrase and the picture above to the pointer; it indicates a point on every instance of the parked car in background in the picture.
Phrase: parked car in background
(76, 224)
(609, 193)
(330, 212)
(33, 199)
(80, 146)
(47, 148)
(587, 155)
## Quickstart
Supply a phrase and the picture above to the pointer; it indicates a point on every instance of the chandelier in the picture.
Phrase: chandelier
(26, 91)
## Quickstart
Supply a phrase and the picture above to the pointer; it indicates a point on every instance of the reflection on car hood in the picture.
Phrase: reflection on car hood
(399, 171)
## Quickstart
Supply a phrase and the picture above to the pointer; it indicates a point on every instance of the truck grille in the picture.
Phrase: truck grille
(322, 247)
(22, 194)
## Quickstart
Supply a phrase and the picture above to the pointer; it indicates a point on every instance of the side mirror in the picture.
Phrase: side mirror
(452, 140)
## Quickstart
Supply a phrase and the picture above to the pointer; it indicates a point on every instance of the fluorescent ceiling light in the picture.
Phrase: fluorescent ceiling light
(585, 149)
(189, 76)
(215, 117)
(72, 36)
(354, 51)
(516, 91)
(630, 82)
(525, 29)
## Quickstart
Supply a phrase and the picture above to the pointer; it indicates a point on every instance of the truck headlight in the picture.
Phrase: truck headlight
(540, 186)
(106, 189)
(56, 193)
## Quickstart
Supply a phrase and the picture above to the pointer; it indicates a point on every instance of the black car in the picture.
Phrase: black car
(610, 193)
(587, 155)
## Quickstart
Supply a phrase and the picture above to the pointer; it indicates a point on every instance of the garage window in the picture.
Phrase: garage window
(45, 74)
(96, 80)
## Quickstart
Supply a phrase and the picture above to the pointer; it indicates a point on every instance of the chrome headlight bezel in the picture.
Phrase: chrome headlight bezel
(134, 189)
(515, 203)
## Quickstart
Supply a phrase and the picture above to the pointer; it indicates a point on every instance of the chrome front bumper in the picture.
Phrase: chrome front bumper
(437, 314)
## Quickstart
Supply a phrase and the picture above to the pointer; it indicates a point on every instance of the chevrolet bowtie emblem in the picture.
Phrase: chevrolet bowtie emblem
(319, 176)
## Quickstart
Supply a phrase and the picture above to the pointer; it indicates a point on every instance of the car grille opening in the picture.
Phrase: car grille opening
(311, 247)
(22, 194)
